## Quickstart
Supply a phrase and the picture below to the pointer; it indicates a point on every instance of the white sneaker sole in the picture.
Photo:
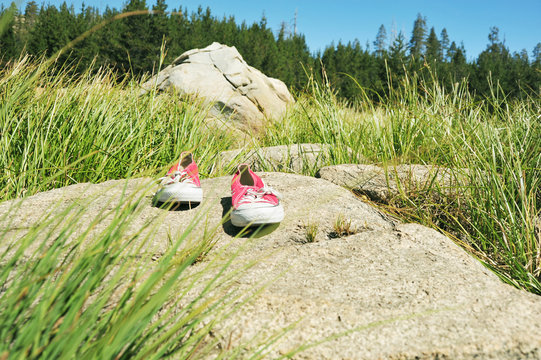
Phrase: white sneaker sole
(179, 192)
(257, 216)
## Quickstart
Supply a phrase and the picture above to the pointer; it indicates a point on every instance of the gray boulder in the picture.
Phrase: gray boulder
(383, 185)
(220, 76)
(352, 283)
(286, 158)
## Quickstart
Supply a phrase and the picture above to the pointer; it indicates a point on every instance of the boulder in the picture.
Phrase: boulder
(220, 76)
(384, 184)
(286, 158)
(352, 283)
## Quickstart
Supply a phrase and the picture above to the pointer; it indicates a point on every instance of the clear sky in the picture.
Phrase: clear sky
(323, 22)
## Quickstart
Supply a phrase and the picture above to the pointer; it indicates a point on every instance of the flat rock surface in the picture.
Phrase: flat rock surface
(383, 184)
(295, 158)
(381, 290)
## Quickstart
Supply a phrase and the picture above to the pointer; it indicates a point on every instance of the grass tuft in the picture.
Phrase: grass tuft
(342, 227)
(311, 229)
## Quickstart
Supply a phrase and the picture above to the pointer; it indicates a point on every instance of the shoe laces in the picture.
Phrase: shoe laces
(175, 177)
(253, 195)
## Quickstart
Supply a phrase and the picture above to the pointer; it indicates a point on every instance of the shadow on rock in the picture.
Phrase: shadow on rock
(174, 205)
(247, 232)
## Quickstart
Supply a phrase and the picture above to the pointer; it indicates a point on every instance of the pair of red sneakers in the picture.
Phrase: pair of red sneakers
(253, 202)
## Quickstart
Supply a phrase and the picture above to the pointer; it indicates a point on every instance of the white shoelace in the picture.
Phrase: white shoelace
(253, 195)
(177, 176)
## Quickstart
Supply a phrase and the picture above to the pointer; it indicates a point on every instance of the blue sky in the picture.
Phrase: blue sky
(323, 22)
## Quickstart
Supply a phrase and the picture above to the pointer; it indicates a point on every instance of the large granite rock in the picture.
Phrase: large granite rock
(219, 75)
(380, 290)
(297, 158)
(384, 184)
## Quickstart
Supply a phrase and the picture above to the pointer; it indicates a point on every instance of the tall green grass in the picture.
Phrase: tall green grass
(58, 129)
(68, 294)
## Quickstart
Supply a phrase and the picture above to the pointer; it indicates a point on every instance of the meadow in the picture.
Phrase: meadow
(58, 129)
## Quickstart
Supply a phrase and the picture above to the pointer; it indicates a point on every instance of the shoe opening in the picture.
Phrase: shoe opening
(186, 160)
(246, 178)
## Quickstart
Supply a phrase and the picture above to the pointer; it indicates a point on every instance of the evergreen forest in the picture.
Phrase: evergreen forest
(131, 45)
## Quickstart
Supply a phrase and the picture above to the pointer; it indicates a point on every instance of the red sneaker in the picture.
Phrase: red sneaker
(253, 202)
(181, 184)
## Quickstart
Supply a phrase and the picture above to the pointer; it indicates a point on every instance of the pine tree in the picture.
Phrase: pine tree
(294, 50)
(178, 31)
(451, 51)
(418, 37)
(200, 29)
(398, 48)
(520, 72)
(49, 33)
(136, 39)
(397, 55)
(158, 33)
(268, 47)
(69, 28)
(380, 43)
(433, 47)
(109, 42)
(459, 56)
(537, 54)
(8, 42)
(86, 50)
(30, 14)
(444, 41)
(462, 50)
(27, 22)
(536, 70)
(493, 63)
(458, 64)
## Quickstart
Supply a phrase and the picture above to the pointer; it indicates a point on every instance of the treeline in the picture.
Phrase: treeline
(132, 45)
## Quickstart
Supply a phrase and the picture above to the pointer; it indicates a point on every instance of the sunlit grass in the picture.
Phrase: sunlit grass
(61, 130)
(68, 294)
